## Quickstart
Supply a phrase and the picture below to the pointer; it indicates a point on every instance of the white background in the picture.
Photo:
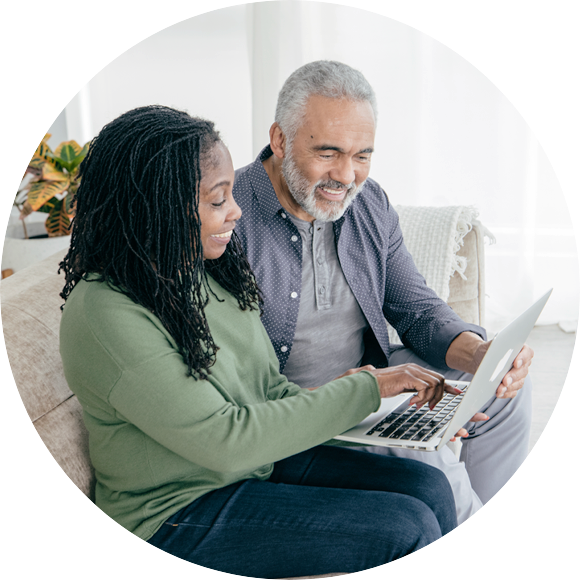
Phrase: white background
(446, 135)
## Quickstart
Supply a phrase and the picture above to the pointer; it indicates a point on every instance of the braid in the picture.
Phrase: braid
(137, 226)
(234, 274)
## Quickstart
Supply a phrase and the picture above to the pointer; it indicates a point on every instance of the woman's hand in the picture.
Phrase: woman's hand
(357, 370)
(348, 373)
(409, 378)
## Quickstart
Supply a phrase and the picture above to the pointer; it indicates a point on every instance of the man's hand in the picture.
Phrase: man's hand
(467, 351)
(463, 432)
(514, 379)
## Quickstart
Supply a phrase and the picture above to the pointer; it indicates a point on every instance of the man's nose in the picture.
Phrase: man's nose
(343, 171)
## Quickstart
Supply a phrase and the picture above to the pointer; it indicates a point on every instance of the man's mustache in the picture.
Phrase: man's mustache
(336, 185)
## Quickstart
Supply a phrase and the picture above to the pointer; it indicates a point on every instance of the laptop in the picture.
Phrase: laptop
(396, 424)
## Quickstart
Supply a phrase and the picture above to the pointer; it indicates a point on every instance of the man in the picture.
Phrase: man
(326, 247)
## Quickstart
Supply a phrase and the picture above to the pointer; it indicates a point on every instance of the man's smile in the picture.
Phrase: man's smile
(332, 194)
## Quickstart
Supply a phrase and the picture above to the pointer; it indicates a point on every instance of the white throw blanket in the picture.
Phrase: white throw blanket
(433, 236)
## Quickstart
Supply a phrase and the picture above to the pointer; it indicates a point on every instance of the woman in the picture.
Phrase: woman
(200, 445)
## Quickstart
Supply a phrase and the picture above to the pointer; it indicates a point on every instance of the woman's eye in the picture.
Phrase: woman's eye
(219, 204)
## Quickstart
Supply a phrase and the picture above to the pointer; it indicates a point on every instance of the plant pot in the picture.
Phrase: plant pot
(19, 252)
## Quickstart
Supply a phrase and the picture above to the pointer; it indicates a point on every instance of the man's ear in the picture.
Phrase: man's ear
(277, 141)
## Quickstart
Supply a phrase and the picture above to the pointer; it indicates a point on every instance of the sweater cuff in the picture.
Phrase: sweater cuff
(376, 390)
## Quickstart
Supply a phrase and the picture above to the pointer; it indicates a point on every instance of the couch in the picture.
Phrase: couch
(30, 308)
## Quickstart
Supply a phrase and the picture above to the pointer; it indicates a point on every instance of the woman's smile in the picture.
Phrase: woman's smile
(222, 238)
(218, 210)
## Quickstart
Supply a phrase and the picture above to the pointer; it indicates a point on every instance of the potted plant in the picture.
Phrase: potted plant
(48, 187)
(53, 184)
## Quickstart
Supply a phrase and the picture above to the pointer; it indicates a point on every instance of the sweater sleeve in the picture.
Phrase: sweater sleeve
(196, 421)
(228, 422)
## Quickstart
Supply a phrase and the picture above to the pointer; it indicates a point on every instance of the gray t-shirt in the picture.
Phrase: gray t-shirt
(329, 332)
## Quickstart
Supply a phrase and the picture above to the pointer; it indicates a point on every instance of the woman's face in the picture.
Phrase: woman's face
(217, 209)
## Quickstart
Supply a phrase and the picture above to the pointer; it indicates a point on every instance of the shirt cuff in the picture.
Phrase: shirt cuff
(443, 338)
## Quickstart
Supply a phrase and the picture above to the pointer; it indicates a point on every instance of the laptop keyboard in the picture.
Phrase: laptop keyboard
(408, 423)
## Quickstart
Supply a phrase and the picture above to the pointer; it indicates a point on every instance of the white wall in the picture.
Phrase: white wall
(446, 135)
(200, 65)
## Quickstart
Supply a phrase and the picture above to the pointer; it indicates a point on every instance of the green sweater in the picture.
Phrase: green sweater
(159, 439)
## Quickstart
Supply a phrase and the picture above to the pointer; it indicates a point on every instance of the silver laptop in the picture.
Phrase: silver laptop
(396, 424)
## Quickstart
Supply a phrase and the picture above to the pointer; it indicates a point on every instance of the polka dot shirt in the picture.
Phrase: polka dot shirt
(374, 260)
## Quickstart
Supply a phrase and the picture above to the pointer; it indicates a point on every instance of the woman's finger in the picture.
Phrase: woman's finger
(437, 393)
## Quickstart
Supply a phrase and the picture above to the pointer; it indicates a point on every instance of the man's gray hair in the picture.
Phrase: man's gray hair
(326, 78)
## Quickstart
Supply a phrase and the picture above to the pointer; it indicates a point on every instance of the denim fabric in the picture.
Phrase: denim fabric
(490, 455)
(325, 510)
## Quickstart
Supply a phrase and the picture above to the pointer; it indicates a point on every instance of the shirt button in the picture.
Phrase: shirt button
(284, 348)
(319, 261)
(283, 215)
(294, 295)
(294, 238)
(322, 290)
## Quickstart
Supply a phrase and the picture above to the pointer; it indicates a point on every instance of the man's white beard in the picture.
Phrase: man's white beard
(306, 197)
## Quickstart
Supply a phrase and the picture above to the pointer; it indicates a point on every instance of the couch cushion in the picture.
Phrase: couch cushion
(63, 432)
(34, 358)
(31, 320)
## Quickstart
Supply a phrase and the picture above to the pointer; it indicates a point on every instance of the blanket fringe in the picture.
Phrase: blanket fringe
(465, 220)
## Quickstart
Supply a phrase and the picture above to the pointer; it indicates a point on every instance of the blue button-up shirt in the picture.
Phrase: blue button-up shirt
(373, 257)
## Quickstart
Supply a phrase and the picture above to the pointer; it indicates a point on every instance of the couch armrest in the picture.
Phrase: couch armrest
(446, 244)
(467, 296)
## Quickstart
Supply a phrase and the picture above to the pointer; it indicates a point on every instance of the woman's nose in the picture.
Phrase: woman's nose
(235, 212)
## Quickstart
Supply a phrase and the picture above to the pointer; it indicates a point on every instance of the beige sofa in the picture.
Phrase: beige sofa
(30, 306)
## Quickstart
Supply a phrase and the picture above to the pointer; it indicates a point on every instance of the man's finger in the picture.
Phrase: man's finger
(479, 417)
(461, 433)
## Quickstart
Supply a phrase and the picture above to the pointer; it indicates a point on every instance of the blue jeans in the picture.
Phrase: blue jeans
(325, 510)
(490, 455)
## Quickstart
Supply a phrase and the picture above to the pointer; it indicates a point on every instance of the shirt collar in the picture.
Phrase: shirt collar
(263, 188)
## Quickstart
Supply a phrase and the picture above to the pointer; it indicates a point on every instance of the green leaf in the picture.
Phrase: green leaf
(42, 154)
(51, 173)
(77, 160)
(66, 153)
(41, 191)
(58, 221)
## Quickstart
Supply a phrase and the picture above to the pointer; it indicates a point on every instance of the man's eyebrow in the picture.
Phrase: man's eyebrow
(328, 148)
(324, 147)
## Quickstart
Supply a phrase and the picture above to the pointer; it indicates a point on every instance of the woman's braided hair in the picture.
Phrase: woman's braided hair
(137, 225)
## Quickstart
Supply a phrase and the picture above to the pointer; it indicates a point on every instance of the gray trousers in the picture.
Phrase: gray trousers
(491, 453)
